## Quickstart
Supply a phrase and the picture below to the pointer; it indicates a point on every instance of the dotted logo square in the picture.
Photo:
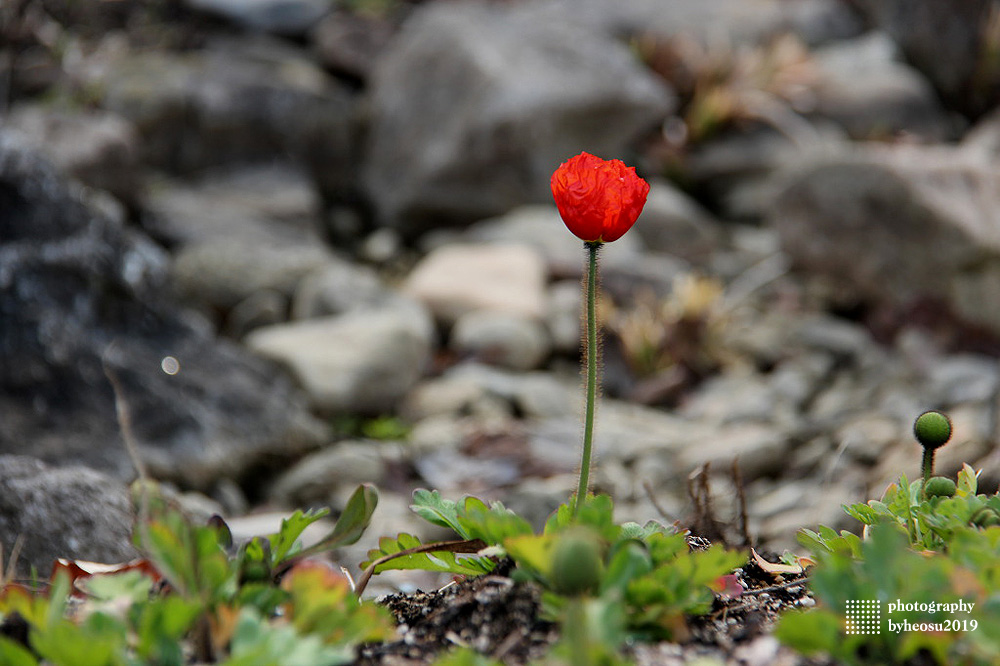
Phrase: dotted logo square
(864, 616)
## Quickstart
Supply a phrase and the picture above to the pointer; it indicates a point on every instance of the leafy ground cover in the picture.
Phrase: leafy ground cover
(584, 590)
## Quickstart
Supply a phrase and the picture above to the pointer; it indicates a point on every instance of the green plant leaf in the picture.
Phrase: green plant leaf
(628, 560)
(283, 543)
(257, 642)
(810, 632)
(432, 507)
(532, 553)
(438, 560)
(353, 522)
(355, 517)
(15, 654)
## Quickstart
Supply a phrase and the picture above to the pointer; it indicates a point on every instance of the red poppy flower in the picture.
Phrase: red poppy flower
(599, 200)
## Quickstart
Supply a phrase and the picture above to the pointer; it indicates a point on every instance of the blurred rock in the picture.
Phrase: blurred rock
(234, 101)
(622, 430)
(97, 148)
(261, 308)
(733, 21)
(337, 287)
(674, 223)
(736, 168)
(349, 43)
(792, 505)
(70, 512)
(456, 279)
(361, 361)
(869, 437)
(481, 103)
(899, 226)
(80, 293)
(982, 141)
(531, 394)
(866, 90)
(760, 449)
(290, 18)
(541, 228)
(964, 378)
(500, 338)
(950, 44)
(267, 203)
(318, 477)
(564, 312)
(223, 273)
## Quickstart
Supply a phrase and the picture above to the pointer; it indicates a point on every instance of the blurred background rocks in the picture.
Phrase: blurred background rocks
(311, 244)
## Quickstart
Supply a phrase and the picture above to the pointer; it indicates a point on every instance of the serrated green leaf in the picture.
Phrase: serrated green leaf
(862, 513)
(493, 525)
(284, 542)
(443, 560)
(435, 509)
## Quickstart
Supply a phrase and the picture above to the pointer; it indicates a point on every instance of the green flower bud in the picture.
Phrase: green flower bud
(940, 486)
(932, 430)
(576, 562)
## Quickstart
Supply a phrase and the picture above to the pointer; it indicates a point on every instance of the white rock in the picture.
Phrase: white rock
(503, 339)
(361, 361)
(315, 478)
(456, 279)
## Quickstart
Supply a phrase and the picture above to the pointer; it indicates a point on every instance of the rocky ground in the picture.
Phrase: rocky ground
(311, 245)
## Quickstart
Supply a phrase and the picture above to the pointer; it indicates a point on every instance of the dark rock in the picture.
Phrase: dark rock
(75, 288)
(474, 106)
(281, 17)
(251, 100)
(949, 42)
(898, 227)
(70, 512)
(865, 90)
(97, 148)
(349, 43)
(264, 204)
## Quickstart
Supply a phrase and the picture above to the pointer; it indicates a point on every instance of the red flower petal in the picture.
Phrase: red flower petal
(599, 200)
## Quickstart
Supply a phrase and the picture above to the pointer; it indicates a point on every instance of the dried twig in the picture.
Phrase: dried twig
(648, 487)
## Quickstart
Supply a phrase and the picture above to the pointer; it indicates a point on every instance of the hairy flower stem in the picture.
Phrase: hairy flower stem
(591, 382)
(928, 468)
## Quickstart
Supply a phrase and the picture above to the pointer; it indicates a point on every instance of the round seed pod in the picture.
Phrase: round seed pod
(576, 562)
(932, 429)
(940, 486)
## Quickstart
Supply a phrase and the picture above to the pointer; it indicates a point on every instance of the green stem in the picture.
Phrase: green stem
(591, 385)
(928, 468)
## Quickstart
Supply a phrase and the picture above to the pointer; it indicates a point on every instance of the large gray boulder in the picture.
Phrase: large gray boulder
(232, 102)
(364, 360)
(97, 148)
(472, 107)
(70, 512)
(902, 227)
(949, 42)
(79, 292)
